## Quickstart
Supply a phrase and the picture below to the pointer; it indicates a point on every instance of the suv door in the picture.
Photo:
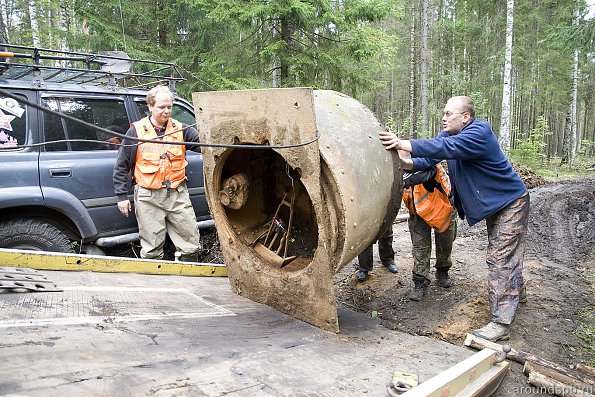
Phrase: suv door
(78, 166)
(19, 176)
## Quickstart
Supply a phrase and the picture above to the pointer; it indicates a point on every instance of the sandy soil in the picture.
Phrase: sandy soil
(559, 268)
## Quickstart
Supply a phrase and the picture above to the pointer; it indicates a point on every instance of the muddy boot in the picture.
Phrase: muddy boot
(523, 294)
(361, 275)
(419, 287)
(442, 278)
(493, 332)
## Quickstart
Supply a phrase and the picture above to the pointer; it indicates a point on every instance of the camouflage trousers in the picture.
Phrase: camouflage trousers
(507, 230)
(421, 241)
(385, 251)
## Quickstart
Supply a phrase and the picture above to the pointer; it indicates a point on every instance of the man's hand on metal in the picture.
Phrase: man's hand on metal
(390, 141)
(124, 207)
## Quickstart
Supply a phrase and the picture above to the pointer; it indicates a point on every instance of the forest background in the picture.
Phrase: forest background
(529, 65)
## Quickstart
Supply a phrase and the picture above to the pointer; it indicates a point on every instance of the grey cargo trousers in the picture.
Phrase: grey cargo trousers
(165, 210)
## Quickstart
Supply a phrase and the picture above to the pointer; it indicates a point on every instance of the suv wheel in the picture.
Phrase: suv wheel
(34, 235)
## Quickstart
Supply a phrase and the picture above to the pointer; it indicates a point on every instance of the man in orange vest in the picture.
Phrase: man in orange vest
(426, 195)
(161, 198)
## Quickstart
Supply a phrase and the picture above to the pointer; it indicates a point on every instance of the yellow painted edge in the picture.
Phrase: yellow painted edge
(107, 264)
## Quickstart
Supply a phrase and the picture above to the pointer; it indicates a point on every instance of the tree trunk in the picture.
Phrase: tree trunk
(424, 67)
(412, 78)
(506, 90)
(286, 33)
(162, 25)
(570, 132)
(33, 21)
(3, 22)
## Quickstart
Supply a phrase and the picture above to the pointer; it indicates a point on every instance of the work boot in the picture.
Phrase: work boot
(391, 266)
(493, 332)
(523, 294)
(361, 275)
(420, 283)
(442, 278)
(192, 258)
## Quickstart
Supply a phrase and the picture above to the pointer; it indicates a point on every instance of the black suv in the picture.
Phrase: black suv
(59, 196)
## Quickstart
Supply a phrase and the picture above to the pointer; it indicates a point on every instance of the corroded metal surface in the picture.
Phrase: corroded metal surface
(12, 278)
(307, 210)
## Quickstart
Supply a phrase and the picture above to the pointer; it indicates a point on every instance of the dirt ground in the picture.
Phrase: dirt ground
(559, 268)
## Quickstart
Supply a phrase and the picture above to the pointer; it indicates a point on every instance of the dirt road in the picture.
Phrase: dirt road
(559, 268)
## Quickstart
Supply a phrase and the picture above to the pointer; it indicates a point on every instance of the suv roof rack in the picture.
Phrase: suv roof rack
(111, 68)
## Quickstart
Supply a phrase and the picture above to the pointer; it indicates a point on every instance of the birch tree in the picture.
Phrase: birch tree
(3, 22)
(33, 20)
(425, 92)
(507, 85)
(412, 77)
(571, 131)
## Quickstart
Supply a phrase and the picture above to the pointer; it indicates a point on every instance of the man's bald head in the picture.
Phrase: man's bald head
(463, 104)
(458, 112)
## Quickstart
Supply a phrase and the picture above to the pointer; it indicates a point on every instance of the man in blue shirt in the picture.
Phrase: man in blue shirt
(485, 186)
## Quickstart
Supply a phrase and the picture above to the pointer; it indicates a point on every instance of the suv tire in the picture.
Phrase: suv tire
(33, 234)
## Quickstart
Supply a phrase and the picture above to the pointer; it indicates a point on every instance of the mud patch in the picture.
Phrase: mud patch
(560, 253)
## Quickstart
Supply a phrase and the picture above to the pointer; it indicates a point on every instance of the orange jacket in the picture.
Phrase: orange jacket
(433, 207)
(160, 165)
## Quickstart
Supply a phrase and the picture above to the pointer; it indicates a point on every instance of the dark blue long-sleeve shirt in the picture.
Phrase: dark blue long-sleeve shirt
(483, 180)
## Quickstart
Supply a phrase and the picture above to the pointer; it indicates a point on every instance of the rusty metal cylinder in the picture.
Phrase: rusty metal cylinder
(289, 216)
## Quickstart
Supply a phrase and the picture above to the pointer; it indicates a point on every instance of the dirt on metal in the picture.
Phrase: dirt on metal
(289, 217)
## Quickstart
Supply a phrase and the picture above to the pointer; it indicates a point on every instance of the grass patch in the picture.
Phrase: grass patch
(586, 331)
(586, 319)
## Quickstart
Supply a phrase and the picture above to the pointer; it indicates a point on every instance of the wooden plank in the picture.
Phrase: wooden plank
(552, 370)
(106, 264)
(585, 369)
(479, 343)
(466, 377)
(552, 386)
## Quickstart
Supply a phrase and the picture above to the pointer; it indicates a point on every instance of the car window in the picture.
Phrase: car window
(178, 112)
(13, 123)
(70, 135)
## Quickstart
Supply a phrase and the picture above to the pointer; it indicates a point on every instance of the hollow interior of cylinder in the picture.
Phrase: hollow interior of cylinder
(268, 208)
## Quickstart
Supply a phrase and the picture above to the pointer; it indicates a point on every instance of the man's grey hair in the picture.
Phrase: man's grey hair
(150, 99)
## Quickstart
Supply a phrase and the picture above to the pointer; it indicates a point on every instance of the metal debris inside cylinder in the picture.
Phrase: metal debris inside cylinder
(276, 217)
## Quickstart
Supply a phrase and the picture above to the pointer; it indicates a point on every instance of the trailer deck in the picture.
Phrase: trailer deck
(130, 334)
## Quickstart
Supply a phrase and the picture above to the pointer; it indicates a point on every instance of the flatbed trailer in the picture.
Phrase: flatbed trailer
(131, 331)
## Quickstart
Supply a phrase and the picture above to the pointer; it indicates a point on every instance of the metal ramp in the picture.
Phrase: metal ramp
(12, 278)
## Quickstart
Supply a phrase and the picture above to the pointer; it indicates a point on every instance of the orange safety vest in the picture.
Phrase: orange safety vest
(433, 207)
(160, 164)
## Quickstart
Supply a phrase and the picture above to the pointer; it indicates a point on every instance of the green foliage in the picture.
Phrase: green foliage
(586, 331)
(586, 322)
(530, 151)
(577, 37)
(359, 47)
(481, 105)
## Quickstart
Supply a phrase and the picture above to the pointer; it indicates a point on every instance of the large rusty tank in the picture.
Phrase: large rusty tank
(291, 210)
